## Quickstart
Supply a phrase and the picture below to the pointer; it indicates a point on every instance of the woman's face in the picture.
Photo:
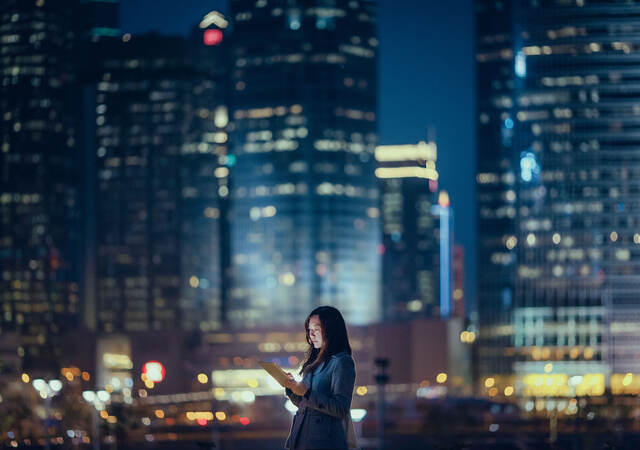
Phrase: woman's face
(315, 331)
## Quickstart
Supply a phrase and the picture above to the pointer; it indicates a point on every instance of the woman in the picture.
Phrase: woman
(323, 397)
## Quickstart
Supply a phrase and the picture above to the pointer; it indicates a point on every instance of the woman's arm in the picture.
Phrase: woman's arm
(295, 399)
(338, 402)
(295, 388)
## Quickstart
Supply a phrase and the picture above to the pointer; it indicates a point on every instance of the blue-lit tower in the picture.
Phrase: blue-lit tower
(306, 217)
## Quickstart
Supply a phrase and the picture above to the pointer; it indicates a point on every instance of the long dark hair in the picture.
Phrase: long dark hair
(334, 337)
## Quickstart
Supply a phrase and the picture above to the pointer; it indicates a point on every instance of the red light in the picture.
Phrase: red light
(202, 422)
(212, 37)
(381, 249)
(244, 420)
(154, 371)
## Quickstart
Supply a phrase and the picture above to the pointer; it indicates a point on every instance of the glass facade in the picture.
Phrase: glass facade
(161, 156)
(495, 185)
(306, 223)
(409, 182)
(40, 237)
(558, 160)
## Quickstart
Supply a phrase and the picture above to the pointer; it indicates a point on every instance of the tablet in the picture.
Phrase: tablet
(275, 371)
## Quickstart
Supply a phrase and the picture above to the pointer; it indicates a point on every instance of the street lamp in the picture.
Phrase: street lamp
(47, 391)
(98, 400)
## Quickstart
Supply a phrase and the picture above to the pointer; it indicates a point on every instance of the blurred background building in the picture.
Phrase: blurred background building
(161, 165)
(172, 208)
(40, 198)
(495, 187)
(408, 182)
(557, 220)
(305, 200)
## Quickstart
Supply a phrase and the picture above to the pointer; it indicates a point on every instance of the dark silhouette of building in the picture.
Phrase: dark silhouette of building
(40, 203)
(495, 184)
(162, 171)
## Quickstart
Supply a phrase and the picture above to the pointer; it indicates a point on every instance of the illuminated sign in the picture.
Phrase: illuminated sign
(422, 151)
(561, 385)
(154, 371)
(406, 172)
(117, 361)
(625, 384)
(214, 18)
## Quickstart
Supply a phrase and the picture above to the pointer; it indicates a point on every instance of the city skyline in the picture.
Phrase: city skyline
(174, 204)
(422, 86)
(142, 86)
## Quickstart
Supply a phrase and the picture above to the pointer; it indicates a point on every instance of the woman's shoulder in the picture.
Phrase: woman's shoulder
(343, 363)
(342, 357)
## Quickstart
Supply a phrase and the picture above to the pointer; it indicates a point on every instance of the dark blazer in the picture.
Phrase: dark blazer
(321, 419)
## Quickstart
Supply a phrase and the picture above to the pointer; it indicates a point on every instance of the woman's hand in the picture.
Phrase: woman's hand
(296, 387)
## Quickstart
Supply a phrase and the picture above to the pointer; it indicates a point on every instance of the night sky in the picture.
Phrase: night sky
(426, 82)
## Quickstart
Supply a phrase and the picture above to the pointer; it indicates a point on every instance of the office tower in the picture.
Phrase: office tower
(161, 171)
(408, 183)
(39, 178)
(495, 186)
(97, 22)
(557, 160)
(305, 199)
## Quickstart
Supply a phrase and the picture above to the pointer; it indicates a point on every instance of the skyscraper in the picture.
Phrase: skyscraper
(409, 181)
(305, 200)
(95, 22)
(557, 209)
(40, 237)
(495, 185)
(161, 172)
